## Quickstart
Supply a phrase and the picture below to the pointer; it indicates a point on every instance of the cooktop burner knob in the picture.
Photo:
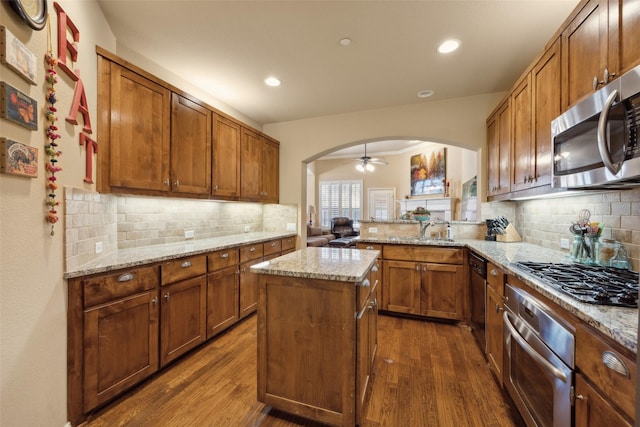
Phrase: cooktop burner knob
(627, 297)
(601, 294)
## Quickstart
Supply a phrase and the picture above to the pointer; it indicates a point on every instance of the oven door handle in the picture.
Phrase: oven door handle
(530, 350)
(603, 144)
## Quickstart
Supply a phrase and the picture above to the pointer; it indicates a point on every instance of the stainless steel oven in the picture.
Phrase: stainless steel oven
(539, 364)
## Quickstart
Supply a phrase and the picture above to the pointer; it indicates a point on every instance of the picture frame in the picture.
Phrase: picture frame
(17, 158)
(18, 107)
(17, 57)
(428, 172)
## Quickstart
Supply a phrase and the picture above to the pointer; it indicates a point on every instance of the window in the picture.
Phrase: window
(340, 198)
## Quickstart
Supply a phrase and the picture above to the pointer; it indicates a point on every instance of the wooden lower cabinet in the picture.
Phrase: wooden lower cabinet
(494, 332)
(120, 346)
(222, 299)
(592, 410)
(427, 289)
(248, 288)
(183, 317)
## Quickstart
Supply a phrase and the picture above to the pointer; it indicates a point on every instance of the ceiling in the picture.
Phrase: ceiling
(227, 48)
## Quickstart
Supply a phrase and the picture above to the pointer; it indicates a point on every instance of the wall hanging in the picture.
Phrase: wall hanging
(17, 158)
(428, 172)
(18, 107)
(16, 56)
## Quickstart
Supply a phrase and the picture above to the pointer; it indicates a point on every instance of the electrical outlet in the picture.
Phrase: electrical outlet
(564, 243)
(189, 234)
(373, 229)
(291, 226)
(98, 247)
(247, 228)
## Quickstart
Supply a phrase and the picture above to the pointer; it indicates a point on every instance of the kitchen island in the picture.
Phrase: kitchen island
(317, 324)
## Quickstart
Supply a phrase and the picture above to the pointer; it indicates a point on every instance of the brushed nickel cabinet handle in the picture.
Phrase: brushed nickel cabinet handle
(374, 268)
(613, 362)
(225, 255)
(417, 267)
(370, 247)
(186, 264)
(252, 249)
(365, 283)
(167, 182)
(126, 277)
(494, 272)
(154, 301)
(177, 183)
(273, 244)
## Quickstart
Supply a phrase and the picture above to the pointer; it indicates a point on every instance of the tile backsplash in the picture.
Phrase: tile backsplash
(122, 222)
(544, 222)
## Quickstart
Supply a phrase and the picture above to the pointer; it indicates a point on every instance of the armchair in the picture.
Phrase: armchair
(343, 227)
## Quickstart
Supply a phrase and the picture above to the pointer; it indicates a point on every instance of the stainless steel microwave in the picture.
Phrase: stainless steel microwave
(595, 142)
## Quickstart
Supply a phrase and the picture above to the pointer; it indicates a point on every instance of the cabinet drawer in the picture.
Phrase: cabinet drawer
(423, 254)
(370, 246)
(222, 259)
(288, 243)
(592, 352)
(250, 252)
(98, 290)
(495, 278)
(274, 247)
(183, 268)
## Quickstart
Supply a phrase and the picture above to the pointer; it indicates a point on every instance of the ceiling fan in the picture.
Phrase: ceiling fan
(365, 163)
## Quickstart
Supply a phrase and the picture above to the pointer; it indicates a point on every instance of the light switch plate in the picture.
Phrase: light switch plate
(373, 229)
(98, 247)
(564, 243)
(189, 234)
(247, 228)
(291, 226)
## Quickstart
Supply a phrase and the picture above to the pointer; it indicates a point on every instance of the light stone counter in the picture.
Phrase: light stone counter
(337, 264)
(128, 258)
(618, 323)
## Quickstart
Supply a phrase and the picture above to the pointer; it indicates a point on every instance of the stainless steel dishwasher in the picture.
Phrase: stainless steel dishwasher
(477, 286)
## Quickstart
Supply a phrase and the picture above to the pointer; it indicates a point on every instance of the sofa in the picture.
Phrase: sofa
(317, 237)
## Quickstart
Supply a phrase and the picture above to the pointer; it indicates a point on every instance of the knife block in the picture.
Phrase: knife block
(510, 235)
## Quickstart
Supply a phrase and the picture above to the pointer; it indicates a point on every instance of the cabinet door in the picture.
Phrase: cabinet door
(270, 171)
(494, 332)
(222, 300)
(498, 149)
(402, 286)
(250, 166)
(523, 152)
(140, 132)
(624, 43)
(584, 52)
(190, 147)
(545, 83)
(226, 158)
(493, 155)
(592, 410)
(363, 361)
(120, 346)
(248, 288)
(441, 291)
(183, 319)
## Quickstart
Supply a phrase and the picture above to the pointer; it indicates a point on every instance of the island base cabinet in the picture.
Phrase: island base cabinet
(222, 300)
(121, 346)
(307, 344)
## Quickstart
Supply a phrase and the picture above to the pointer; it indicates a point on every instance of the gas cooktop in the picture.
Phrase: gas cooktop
(591, 284)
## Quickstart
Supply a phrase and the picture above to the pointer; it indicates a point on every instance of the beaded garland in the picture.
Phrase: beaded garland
(51, 147)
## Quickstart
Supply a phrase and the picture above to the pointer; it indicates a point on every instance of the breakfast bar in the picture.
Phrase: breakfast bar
(317, 324)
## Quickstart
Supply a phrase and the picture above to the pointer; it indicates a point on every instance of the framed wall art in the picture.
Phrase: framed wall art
(428, 172)
(16, 56)
(18, 107)
(17, 158)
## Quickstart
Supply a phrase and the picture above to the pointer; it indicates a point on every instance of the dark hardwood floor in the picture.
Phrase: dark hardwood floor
(426, 374)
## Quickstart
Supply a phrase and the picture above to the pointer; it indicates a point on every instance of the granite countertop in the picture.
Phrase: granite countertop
(326, 263)
(618, 323)
(132, 257)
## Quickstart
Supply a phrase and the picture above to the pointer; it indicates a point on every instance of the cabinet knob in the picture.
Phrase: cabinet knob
(273, 244)
(417, 267)
(499, 309)
(177, 183)
(167, 182)
(244, 269)
(607, 76)
(215, 188)
(154, 301)
(167, 296)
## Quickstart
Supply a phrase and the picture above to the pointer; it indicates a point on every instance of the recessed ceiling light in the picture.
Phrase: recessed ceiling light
(272, 81)
(345, 41)
(425, 93)
(448, 46)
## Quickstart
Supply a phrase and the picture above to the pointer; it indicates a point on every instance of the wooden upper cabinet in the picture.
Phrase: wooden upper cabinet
(545, 88)
(498, 149)
(624, 43)
(259, 165)
(225, 181)
(270, 170)
(190, 147)
(523, 149)
(139, 132)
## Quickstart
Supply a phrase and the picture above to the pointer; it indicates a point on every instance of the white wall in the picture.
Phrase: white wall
(33, 327)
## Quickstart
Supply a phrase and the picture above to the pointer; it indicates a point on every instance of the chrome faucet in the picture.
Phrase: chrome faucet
(423, 228)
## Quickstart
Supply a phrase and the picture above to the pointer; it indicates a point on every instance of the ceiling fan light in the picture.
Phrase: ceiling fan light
(370, 167)
(360, 167)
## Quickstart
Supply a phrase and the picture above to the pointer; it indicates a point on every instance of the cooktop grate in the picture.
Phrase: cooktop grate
(591, 284)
